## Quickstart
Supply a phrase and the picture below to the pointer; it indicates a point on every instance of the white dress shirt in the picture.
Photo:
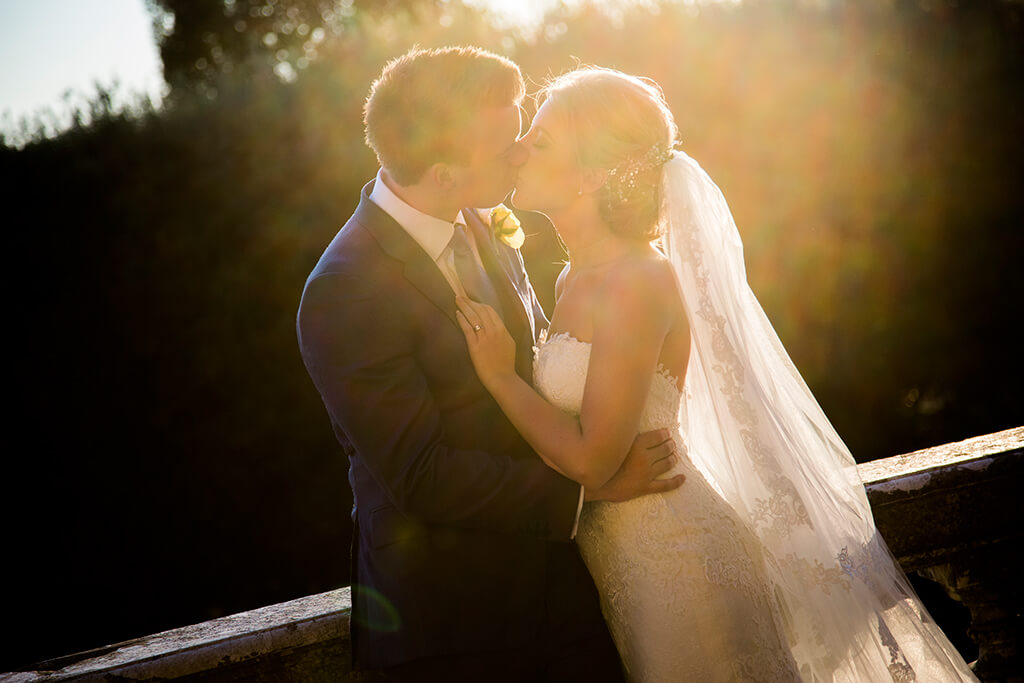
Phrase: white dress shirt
(434, 235)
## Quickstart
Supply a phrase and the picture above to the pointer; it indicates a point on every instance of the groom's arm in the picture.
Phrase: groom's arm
(357, 343)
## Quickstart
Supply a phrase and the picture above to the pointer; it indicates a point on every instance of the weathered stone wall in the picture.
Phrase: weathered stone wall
(301, 640)
(952, 513)
(955, 514)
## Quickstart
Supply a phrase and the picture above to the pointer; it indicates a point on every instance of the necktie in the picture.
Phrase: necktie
(472, 276)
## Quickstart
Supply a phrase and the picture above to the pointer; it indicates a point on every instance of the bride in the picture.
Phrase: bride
(765, 565)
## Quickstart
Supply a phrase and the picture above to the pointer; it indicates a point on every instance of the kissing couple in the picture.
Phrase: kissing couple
(641, 489)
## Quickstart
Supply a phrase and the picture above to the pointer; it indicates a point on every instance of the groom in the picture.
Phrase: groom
(463, 565)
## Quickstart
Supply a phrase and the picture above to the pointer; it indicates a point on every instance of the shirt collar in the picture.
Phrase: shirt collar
(432, 234)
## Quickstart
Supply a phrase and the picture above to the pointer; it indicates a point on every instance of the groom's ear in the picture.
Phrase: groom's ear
(593, 180)
(442, 176)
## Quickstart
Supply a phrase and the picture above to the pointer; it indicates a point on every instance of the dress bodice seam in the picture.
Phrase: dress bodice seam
(545, 339)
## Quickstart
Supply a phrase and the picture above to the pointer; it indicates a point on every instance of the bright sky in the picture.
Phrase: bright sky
(50, 46)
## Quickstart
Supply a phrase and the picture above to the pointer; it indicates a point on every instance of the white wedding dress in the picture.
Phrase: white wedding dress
(681, 578)
(766, 564)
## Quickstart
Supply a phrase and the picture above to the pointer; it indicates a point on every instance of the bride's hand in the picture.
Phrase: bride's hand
(491, 347)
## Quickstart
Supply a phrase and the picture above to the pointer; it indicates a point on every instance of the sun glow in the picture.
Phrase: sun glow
(516, 12)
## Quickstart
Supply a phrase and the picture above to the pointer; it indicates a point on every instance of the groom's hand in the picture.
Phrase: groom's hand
(651, 455)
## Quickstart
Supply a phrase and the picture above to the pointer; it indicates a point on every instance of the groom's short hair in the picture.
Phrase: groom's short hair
(420, 106)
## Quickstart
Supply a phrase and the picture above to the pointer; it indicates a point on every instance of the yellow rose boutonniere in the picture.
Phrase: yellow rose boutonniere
(506, 226)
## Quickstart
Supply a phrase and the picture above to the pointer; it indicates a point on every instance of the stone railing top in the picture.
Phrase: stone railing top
(914, 470)
(202, 647)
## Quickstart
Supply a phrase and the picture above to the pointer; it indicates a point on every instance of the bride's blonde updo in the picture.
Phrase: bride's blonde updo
(624, 126)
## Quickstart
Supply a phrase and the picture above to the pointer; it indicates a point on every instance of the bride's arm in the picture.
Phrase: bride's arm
(629, 330)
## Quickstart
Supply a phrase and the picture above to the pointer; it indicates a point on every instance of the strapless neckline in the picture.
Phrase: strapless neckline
(546, 339)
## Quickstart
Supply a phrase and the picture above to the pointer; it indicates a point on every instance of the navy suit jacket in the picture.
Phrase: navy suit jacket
(462, 534)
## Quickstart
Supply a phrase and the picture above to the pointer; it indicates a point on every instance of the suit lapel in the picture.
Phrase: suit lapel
(421, 272)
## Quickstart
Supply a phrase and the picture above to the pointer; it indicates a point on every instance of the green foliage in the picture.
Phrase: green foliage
(871, 155)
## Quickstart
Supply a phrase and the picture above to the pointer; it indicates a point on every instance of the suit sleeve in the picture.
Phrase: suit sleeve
(357, 347)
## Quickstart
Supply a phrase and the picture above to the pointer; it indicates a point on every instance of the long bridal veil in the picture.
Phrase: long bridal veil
(756, 431)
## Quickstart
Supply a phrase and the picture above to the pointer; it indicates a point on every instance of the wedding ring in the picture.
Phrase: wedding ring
(477, 328)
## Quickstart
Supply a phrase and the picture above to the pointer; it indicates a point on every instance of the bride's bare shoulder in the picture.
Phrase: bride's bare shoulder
(638, 289)
(645, 273)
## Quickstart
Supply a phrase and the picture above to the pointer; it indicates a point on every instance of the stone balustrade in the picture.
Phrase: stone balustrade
(950, 513)
(953, 514)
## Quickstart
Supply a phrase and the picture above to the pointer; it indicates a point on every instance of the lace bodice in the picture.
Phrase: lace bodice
(560, 374)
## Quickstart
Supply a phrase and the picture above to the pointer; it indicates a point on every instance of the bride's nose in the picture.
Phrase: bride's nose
(517, 154)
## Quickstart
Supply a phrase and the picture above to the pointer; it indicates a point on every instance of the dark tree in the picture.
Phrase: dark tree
(201, 40)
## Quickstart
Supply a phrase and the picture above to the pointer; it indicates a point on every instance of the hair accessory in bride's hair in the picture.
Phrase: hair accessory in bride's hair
(622, 179)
